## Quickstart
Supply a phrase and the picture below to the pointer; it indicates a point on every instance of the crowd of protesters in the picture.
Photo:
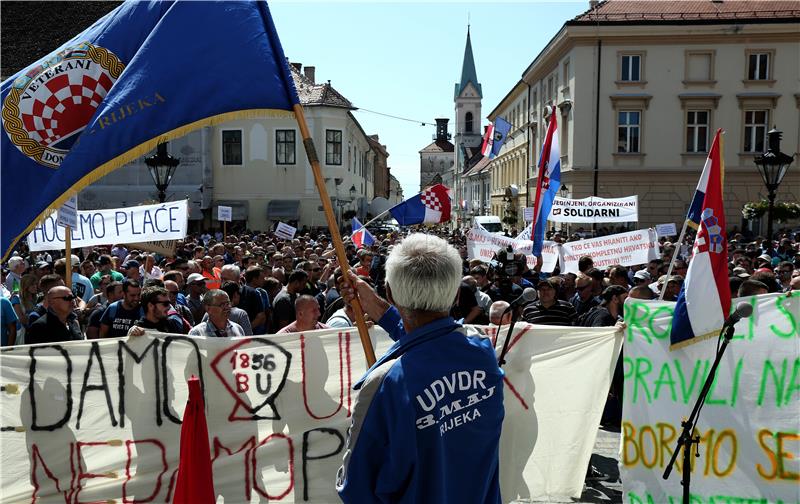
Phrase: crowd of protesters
(256, 283)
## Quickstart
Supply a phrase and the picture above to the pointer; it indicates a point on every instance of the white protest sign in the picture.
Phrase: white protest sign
(626, 249)
(482, 244)
(68, 213)
(527, 214)
(164, 221)
(594, 209)
(224, 213)
(285, 231)
(165, 247)
(666, 229)
(749, 444)
(100, 420)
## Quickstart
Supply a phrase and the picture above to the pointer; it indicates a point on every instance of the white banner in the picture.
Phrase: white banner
(626, 249)
(749, 443)
(285, 231)
(594, 209)
(165, 221)
(666, 229)
(527, 214)
(482, 244)
(100, 420)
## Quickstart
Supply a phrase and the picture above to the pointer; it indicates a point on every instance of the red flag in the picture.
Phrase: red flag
(195, 483)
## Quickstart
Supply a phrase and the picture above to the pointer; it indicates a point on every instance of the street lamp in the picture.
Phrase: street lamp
(772, 165)
(162, 168)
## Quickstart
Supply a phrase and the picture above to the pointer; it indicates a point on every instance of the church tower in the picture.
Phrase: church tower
(467, 97)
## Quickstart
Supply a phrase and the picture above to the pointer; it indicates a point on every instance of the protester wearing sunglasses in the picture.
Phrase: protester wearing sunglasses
(59, 323)
(156, 306)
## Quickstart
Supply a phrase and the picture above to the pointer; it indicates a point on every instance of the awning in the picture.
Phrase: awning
(239, 209)
(283, 210)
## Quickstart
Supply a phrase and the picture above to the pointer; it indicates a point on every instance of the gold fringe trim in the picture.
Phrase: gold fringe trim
(692, 341)
(142, 149)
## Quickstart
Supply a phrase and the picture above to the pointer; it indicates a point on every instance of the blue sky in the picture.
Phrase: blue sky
(404, 59)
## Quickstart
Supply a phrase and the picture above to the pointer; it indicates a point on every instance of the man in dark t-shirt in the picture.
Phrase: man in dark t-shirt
(121, 315)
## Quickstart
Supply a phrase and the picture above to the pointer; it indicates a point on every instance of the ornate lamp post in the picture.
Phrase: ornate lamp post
(162, 168)
(772, 165)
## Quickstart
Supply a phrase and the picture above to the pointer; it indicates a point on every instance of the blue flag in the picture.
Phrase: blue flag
(145, 73)
(501, 130)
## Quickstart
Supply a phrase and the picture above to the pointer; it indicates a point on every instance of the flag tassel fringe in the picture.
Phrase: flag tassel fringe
(691, 341)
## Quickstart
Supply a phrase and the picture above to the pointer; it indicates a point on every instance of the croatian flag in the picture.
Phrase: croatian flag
(361, 236)
(495, 137)
(705, 298)
(547, 184)
(431, 206)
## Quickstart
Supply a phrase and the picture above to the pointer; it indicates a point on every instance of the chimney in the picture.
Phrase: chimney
(593, 4)
(297, 66)
(309, 71)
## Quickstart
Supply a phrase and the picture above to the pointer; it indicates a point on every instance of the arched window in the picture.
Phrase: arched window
(468, 122)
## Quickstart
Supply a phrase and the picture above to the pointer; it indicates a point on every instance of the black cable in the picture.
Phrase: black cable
(421, 123)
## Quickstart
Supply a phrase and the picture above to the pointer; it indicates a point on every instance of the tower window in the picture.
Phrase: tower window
(468, 122)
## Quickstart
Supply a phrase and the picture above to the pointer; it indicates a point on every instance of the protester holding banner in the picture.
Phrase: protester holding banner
(59, 323)
(433, 457)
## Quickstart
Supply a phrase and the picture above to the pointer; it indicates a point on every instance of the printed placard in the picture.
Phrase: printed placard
(626, 249)
(68, 213)
(667, 229)
(224, 213)
(594, 209)
(285, 231)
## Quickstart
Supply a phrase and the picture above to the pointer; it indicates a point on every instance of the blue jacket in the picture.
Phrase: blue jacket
(427, 420)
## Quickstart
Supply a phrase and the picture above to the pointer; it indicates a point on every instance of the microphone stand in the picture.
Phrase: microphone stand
(502, 359)
(686, 439)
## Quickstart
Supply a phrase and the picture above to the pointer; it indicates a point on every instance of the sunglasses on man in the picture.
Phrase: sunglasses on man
(71, 297)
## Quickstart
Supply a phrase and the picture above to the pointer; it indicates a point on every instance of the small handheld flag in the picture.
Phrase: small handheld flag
(547, 184)
(361, 236)
(431, 206)
(495, 137)
(705, 298)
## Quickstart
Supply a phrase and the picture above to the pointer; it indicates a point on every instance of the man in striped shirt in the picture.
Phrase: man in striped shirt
(548, 309)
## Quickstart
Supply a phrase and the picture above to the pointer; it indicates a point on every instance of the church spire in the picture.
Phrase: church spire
(468, 73)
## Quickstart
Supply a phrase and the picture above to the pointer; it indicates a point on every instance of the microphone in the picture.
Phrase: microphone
(528, 295)
(743, 310)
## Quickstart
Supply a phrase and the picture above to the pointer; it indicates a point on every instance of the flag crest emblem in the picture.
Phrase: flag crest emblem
(49, 105)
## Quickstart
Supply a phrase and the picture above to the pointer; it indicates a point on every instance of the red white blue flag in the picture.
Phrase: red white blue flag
(547, 184)
(431, 206)
(361, 236)
(705, 298)
(495, 137)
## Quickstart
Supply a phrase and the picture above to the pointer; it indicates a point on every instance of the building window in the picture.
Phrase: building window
(755, 130)
(284, 147)
(333, 147)
(758, 66)
(468, 122)
(699, 66)
(232, 147)
(697, 130)
(628, 128)
(630, 68)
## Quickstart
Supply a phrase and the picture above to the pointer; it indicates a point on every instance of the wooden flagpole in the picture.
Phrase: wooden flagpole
(336, 237)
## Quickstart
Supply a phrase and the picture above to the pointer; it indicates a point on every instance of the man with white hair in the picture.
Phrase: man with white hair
(498, 314)
(16, 267)
(426, 424)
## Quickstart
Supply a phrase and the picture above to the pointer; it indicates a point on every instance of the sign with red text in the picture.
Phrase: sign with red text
(96, 421)
(143, 223)
(749, 442)
(482, 244)
(626, 249)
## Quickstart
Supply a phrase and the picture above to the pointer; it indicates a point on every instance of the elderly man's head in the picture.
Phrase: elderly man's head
(217, 305)
(423, 273)
(498, 314)
(307, 312)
